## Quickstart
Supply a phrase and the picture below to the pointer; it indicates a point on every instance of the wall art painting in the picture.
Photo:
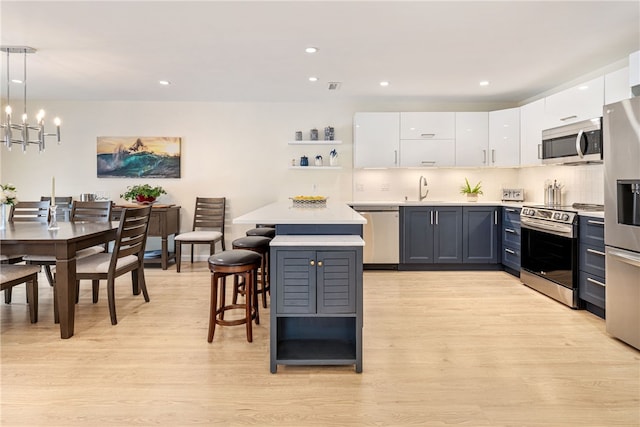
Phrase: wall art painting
(138, 157)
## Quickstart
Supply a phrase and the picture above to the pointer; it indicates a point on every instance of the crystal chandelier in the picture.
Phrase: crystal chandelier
(21, 133)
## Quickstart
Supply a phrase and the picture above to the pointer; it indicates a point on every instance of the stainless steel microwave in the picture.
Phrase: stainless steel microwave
(573, 144)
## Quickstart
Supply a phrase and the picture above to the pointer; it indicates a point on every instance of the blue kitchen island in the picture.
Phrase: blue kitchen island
(316, 284)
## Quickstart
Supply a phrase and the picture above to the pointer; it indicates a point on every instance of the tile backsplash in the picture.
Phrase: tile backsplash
(583, 184)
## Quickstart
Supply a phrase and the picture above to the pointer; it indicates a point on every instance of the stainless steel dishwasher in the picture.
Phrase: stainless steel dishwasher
(381, 236)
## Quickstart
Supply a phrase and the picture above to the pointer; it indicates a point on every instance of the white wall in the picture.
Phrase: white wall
(240, 151)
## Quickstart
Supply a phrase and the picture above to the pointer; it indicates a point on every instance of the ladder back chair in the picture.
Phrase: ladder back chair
(208, 227)
(127, 256)
(29, 212)
(12, 275)
(63, 204)
(80, 211)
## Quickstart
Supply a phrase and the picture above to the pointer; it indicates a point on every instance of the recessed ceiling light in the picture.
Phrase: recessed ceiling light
(583, 87)
(384, 84)
(16, 81)
(313, 79)
(484, 83)
(164, 82)
(311, 49)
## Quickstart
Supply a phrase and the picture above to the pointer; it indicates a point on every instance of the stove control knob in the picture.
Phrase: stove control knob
(556, 215)
(565, 217)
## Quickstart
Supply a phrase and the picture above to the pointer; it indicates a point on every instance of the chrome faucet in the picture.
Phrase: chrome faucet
(422, 183)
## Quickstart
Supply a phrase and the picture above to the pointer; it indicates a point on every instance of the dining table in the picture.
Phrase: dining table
(34, 238)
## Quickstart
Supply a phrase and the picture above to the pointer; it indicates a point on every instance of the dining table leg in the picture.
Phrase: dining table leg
(66, 293)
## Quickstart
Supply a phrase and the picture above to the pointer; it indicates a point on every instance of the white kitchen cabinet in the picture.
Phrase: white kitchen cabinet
(427, 139)
(504, 138)
(581, 102)
(616, 86)
(472, 139)
(429, 125)
(532, 123)
(376, 140)
(427, 153)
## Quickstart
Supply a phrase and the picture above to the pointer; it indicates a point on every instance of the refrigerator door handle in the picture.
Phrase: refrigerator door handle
(625, 256)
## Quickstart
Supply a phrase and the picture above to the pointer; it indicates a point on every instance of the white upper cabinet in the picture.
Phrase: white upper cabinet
(376, 140)
(616, 86)
(532, 123)
(581, 102)
(427, 125)
(504, 137)
(472, 139)
(427, 153)
(427, 139)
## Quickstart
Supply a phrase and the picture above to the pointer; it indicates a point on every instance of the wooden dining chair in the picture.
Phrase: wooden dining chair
(127, 256)
(63, 204)
(80, 211)
(13, 275)
(208, 227)
(29, 212)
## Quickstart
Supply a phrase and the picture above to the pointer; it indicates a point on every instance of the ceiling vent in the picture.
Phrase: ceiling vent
(334, 85)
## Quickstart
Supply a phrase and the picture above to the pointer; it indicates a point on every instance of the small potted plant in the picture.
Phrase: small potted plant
(471, 192)
(143, 194)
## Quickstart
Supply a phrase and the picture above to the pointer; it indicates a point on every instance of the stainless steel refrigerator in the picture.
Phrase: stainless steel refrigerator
(621, 130)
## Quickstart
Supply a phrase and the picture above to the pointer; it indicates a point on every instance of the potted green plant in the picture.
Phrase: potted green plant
(471, 192)
(144, 193)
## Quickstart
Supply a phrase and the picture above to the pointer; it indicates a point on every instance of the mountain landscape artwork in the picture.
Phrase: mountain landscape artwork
(138, 157)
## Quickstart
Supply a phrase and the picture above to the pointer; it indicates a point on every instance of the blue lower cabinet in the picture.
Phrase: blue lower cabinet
(591, 264)
(316, 312)
(511, 239)
(480, 225)
(431, 235)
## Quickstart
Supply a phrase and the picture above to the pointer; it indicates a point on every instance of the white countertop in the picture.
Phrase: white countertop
(434, 203)
(285, 213)
(320, 240)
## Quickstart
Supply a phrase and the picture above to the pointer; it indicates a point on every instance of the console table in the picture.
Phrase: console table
(164, 221)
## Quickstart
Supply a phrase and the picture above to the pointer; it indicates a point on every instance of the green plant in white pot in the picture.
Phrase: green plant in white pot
(471, 192)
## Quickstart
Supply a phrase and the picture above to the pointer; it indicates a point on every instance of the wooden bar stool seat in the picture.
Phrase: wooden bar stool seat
(260, 245)
(242, 263)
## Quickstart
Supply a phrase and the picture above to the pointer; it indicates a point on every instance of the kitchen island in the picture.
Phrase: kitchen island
(316, 284)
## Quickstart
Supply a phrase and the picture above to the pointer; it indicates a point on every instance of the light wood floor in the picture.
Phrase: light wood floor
(449, 348)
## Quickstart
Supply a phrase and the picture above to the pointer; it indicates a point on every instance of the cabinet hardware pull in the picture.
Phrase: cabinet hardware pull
(484, 156)
(593, 251)
(319, 263)
(395, 161)
(510, 210)
(493, 156)
(540, 151)
(431, 215)
(509, 251)
(428, 162)
(568, 118)
(495, 217)
(510, 230)
(589, 279)
(312, 262)
(428, 135)
(591, 221)
(436, 217)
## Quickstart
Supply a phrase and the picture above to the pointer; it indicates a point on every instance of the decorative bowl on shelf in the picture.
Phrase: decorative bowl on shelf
(309, 201)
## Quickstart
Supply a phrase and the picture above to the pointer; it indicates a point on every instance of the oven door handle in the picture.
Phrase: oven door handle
(560, 231)
(625, 256)
(579, 144)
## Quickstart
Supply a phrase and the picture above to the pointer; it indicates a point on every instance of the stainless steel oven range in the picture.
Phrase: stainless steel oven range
(549, 261)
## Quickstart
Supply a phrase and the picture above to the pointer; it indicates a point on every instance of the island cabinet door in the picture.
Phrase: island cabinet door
(296, 282)
(336, 278)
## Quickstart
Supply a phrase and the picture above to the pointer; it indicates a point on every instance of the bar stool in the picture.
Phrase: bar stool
(259, 245)
(269, 232)
(241, 263)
